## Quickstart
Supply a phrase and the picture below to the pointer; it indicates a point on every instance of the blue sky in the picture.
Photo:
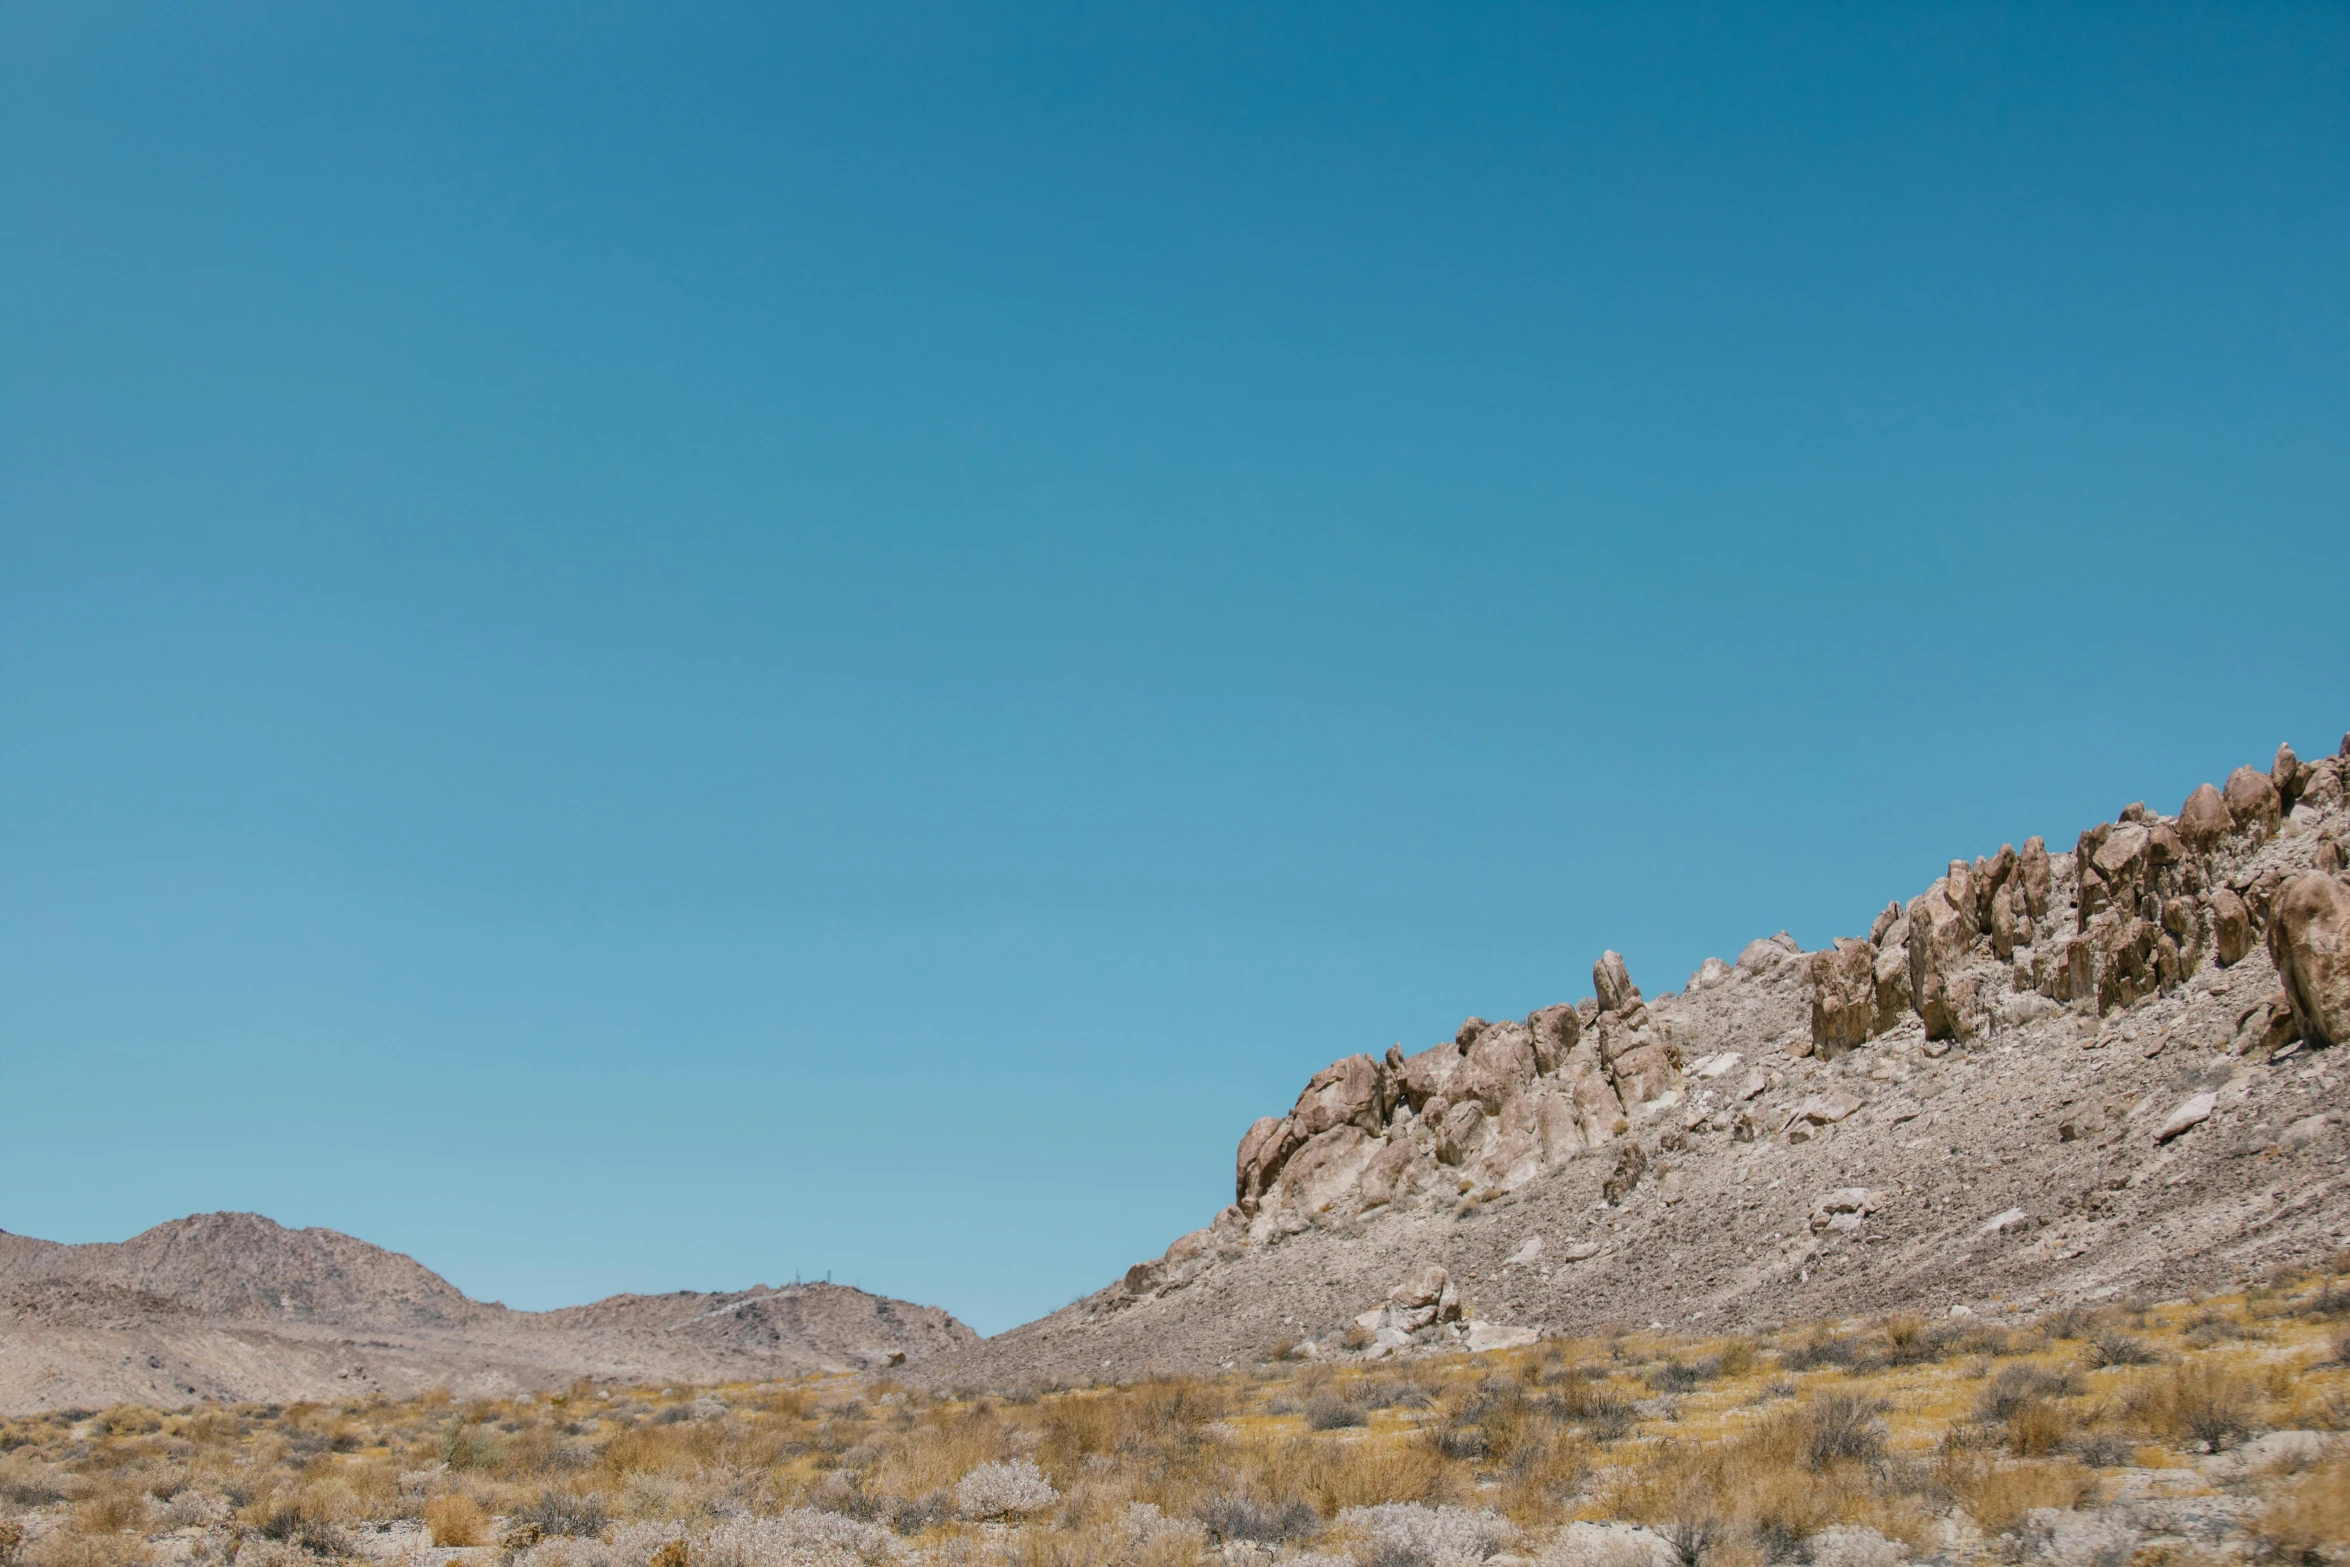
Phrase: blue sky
(647, 647)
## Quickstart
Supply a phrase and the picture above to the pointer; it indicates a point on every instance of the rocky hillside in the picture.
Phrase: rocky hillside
(2049, 1077)
(233, 1306)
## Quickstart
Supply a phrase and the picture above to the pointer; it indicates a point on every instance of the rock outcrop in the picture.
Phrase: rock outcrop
(2045, 1072)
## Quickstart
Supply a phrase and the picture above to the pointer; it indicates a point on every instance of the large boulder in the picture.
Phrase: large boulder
(1939, 934)
(2309, 938)
(1459, 1132)
(1892, 976)
(2287, 775)
(2033, 869)
(1392, 1172)
(1612, 984)
(2204, 819)
(1497, 1068)
(2252, 800)
(1844, 996)
(1322, 1176)
(2231, 926)
(1429, 1074)
(1637, 1061)
(1599, 1109)
(1555, 1032)
(1263, 1150)
(1352, 1092)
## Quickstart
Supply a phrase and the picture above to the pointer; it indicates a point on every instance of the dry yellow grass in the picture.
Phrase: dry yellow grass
(1737, 1449)
(456, 1519)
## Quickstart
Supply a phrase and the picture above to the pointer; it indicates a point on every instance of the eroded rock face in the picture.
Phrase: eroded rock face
(2309, 940)
(2252, 801)
(1263, 1150)
(1498, 1067)
(1844, 996)
(2205, 818)
(1353, 1092)
(1939, 934)
(1612, 984)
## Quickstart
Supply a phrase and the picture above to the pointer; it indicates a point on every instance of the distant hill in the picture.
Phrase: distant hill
(236, 1306)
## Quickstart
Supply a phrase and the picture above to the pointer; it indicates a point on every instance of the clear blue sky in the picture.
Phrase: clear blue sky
(655, 646)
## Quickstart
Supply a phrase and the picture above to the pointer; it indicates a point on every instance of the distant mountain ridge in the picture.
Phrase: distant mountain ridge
(237, 1306)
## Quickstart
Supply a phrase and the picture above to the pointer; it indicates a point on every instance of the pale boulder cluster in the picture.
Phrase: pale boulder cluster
(1485, 1110)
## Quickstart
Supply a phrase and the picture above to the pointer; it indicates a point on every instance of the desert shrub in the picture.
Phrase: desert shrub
(1229, 1518)
(1332, 1414)
(468, 1447)
(1672, 1376)
(308, 1530)
(2308, 1520)
(116, 1505)
(1604, 1414)
(2118, 1349)
(798, 1537)
(1999, 1495)
(2038, 1427)
(2016, 1386)
(1004, 1490)
(2197, 1402)
(1736, 1359)
(1393, 1393)
(1910, 1342)
(555, 1511)
(1409, 1534)
(1839, 1426)
(1817, 1351)
(456, 1519)
(2103, 1449)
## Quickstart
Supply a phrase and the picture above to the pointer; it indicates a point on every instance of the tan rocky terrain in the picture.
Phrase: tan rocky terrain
(231, 1306)
(2049, 1078)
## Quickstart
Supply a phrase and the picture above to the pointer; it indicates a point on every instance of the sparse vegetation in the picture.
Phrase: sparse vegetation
(1849, 1444)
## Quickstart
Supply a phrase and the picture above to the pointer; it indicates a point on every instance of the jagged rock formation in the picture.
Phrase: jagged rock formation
(2003, 1056)
(233, 1306)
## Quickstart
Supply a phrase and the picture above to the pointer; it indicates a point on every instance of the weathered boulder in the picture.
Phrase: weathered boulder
(2204, 819)
(2231, 926)
(1428, 1074)
(2121, 858)
(1459, 1133)
(1631, 1164)
(1390, 1173)
(2309, 939)
(1636, 1060)
(2322, 785)
(2252, 800)
(1599, 1109)
(2126, 970)
(1352, 1092)
(2286, 775)
(1324, 1171)
(1497, 1068)
(1555, 1032)
(1892, 976)
(1844, 996)
(2033, 868)
(1263, 1150)
(1938, 938)
(2009, 923)
(1612, 984)
(1882, 926)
